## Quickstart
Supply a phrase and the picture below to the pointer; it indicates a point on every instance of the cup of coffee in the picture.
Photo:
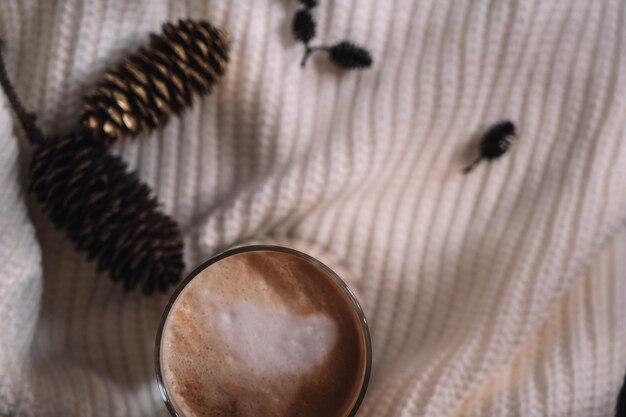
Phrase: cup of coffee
(263, 330)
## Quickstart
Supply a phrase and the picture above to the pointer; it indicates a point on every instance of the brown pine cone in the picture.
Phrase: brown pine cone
(107, 212)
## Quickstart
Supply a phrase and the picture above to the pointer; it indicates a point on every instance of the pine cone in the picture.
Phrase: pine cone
(107, 212)
(154, 83)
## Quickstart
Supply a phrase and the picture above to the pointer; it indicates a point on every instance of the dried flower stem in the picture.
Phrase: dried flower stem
(27, 119)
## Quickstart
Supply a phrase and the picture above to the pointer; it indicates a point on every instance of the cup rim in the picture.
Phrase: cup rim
(272, 248)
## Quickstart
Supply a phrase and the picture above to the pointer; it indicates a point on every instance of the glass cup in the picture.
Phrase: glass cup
(341, 285)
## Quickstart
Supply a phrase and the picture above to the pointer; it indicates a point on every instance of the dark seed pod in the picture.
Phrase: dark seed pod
(157, 82)
(303, 26)
(309, 4)
(497, 140)
(349, 55)
(107, 212)
(495, 143)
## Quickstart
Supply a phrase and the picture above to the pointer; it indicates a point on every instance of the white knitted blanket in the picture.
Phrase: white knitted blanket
(498, 293)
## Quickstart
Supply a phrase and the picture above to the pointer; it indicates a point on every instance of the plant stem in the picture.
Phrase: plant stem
(26, 119)
(471, 166)
(308, 51)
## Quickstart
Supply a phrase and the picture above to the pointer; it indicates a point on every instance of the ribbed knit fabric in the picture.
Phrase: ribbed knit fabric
(499, 293)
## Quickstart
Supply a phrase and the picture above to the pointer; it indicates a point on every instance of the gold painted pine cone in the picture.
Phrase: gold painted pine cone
(144, 91)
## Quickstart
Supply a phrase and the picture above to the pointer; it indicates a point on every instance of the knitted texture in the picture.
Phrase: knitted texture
(497, 293)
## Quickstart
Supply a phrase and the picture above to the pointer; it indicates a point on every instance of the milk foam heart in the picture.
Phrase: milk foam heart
(267, 340)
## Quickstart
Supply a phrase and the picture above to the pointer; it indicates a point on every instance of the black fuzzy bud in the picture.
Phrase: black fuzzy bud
(495, 143)
(303, 26)
(350, 56)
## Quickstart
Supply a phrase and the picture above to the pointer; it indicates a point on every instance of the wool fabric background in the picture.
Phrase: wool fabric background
(498, 293)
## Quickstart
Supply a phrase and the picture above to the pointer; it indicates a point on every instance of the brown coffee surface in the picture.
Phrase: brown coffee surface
(262, 333)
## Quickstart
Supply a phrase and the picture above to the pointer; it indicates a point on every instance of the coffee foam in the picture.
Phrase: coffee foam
(267, 340)
(262, 333)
